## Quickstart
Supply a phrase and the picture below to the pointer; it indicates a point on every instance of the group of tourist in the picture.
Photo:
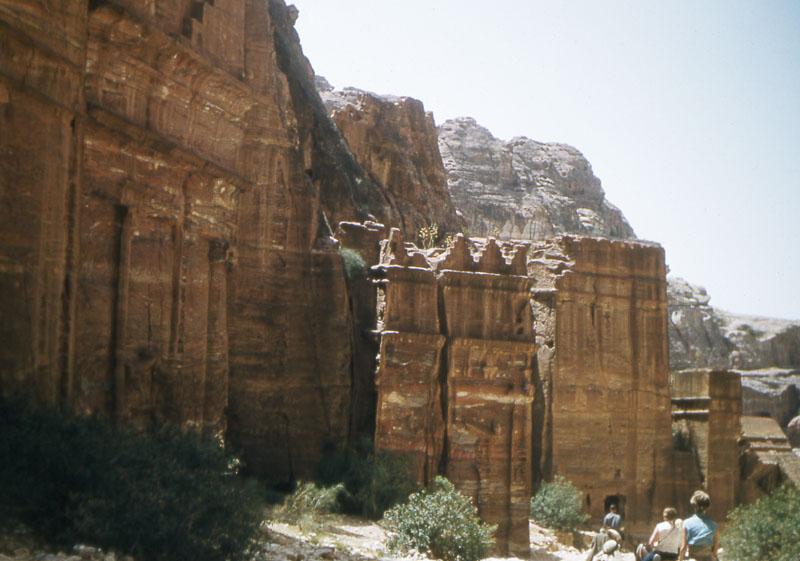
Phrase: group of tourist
(672, 539)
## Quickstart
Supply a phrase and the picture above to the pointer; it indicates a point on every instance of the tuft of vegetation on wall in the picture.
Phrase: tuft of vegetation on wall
(354, 265)
(160, 496)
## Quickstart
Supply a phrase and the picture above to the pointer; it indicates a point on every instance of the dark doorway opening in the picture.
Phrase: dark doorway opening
(618, 500)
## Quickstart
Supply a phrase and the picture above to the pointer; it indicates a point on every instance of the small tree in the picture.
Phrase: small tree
(428, 235)
(767, 529)
(440, 521)
(557, 505)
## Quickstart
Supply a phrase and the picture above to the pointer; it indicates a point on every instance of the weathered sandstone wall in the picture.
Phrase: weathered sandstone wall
(455, 381)
(167, 171)
(707, 409)
(768, 460)
(600, 309)
(395, 140)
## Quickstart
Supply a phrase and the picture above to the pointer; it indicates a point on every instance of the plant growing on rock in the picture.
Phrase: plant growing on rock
(558, 505)
(354, 265)
(428, 235)
(440, 521)
(767, 529)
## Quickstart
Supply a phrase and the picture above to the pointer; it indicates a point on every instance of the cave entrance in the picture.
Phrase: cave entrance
(616, 500)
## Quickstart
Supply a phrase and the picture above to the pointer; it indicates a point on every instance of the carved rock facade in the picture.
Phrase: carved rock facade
(600, 310)
(707, 413)
(455, 381)
(162, 229)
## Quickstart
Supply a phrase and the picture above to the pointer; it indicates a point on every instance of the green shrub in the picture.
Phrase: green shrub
(165, 495)
(354, 265)
(374, 481)
(558, 505)
(307, 502)
(767, 529)
(440, 521)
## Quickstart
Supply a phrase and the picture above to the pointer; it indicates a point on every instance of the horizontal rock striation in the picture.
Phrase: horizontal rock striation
(524, 189)
(394, 139)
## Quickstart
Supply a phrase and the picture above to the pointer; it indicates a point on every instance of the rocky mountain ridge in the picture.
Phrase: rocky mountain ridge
(524, 189)
(529, 190)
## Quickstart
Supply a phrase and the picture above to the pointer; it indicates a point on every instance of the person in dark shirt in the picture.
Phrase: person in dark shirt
(613, 519)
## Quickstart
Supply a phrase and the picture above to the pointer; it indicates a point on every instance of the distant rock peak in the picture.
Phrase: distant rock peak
(522, 188)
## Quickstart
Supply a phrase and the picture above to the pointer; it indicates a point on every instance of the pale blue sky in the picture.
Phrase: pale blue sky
(689, 111)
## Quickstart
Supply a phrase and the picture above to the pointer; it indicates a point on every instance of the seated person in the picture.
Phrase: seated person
(700, 537)
(665, 540)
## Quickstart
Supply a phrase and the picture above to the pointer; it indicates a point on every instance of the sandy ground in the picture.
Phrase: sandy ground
(347, 538)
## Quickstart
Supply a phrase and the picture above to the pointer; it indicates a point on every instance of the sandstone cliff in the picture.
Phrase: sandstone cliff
(395, 140)
(524, 189)
(168, 174)
(766, 352)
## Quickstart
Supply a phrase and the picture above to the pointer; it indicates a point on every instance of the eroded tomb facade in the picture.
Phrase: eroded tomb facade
(455, 379)
(600, 313)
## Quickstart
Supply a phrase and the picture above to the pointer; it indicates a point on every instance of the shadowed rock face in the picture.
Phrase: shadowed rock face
(395, 141)
(524, 189)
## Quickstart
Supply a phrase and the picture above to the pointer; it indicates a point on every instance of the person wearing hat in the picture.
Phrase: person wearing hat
(700, 537)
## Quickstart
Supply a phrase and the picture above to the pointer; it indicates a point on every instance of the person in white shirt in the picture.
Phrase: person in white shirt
(665, 540)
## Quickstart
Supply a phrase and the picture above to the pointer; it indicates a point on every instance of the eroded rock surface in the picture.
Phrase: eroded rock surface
(600, 309)
(524, 189)
(766, 352)
(395, 140)
(164, 249)
(707, 410)
(709, 337)
(455, 380)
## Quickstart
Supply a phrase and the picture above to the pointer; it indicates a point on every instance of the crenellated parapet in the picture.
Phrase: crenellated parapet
(456, 371)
